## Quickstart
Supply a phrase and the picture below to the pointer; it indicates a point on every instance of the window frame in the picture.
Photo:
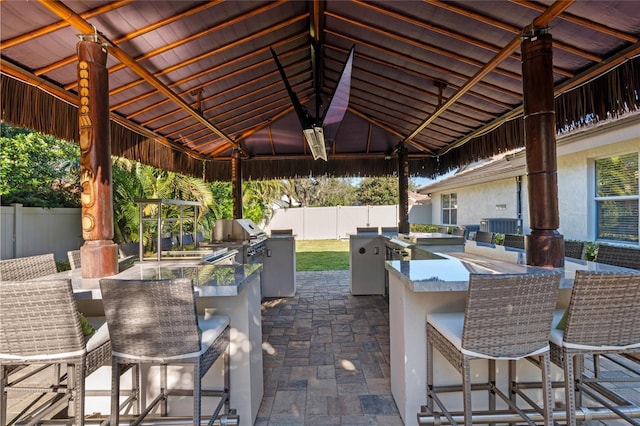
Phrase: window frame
(449, 209)
(597, 200)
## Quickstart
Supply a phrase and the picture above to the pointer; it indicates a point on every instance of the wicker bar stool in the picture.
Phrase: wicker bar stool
(485, 237)
(74, 259)
(41, 325)
(574, 249)
(507, 317)
(27, 268)
(514, 241)
(627, 257)
(603, 318)
(154, 322)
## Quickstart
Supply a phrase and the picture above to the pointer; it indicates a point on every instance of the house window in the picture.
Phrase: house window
(449, 209)
(617, 198)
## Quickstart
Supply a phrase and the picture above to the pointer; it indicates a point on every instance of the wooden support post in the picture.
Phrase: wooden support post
(544, 246)
(98, 255)
(236, 184)
(403, 190)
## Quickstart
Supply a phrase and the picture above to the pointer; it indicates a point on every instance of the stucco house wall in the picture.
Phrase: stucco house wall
(480, 189)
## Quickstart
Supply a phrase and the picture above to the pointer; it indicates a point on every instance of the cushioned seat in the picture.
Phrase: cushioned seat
(603, 317)
(52, 337)
(506, 317)
(155, 322)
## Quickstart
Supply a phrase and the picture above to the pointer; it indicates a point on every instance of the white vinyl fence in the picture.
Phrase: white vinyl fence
(27, 231)
(321, 223)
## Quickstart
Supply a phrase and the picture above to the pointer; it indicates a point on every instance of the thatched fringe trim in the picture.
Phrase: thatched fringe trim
(24, 105)
(606, 97)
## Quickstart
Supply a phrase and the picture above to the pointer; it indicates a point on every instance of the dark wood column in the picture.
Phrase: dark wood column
(544, 246)
(99, 253)
(403, 188)
(236, 184)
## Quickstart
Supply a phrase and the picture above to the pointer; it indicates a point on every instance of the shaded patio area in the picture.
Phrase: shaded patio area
(326, 356)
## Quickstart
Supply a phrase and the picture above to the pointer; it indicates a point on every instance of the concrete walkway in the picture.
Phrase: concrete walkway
(326, 356)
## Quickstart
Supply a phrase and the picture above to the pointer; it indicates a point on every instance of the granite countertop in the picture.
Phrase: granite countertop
(450, 271)
(208, 280)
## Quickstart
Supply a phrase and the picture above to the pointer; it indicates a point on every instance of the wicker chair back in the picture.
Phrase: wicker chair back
(509, 315)
(27, 268)
(39, 319)
(627, 257)
(151, 318)
(484, 237)
(574, 249)
(458, 232)
(513, 240)
(604, 309)
(74, 259)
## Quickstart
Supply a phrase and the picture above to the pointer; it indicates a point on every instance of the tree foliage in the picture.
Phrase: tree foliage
(38, 170)
(379, 191)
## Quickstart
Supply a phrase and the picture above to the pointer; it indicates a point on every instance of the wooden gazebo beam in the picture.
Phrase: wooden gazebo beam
(547, 16)
(82, 25)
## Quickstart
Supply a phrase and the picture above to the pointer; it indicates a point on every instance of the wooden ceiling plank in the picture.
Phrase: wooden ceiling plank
(587, 75)
(455, 35)
(422, 45)
(42, 31)
(195, 36)
(132, 35)
(387, 82)
(565, 16)
(421, 64)
(82, 25)
(549, 14)
(208, 98)
(223, 93)
(402, 113)
(200, 74)
(412, 88)
(512, 29)
(253, 106)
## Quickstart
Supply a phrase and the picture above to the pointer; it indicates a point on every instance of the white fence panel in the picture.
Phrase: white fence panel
(383, 216)
(320, 223)
(288, 219)
(28, 231)
(350, 218)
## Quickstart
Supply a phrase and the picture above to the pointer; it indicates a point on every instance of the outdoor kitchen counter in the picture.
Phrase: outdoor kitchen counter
(419, 287)
(208, 280)
(232, 290)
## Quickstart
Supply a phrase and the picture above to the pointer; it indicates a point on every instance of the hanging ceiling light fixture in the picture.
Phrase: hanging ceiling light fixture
(314, 128)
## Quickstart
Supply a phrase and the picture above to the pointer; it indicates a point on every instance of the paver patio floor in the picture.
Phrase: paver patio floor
(326, 356)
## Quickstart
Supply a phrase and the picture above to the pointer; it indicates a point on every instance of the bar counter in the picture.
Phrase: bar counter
(439, 284)
(232, 290)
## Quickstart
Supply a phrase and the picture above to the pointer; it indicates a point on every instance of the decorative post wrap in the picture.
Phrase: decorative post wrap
(98, 255)
(236, 184)
(544, 246)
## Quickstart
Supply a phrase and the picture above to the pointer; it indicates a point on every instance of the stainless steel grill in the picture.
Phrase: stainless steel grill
(242, 235)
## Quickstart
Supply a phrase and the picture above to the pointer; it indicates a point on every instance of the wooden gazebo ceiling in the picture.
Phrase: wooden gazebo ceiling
(199, 77)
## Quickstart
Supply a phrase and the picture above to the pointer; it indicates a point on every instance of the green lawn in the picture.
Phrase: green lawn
(322, 255)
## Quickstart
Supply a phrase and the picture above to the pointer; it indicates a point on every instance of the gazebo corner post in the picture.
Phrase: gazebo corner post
(236, 183)
(403, 190)
(99, 253)
(544, 245)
